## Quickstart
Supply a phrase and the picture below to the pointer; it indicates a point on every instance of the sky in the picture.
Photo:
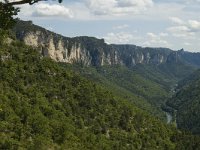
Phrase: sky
(173, 24)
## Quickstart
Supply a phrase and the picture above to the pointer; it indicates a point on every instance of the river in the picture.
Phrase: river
(169, 117)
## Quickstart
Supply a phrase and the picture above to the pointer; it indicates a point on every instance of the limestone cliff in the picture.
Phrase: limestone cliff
(93, 51)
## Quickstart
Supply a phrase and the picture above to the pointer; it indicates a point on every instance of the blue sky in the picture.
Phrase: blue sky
(157, 23)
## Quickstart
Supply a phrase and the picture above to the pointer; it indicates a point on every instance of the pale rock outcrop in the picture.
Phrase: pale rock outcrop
(89, 50)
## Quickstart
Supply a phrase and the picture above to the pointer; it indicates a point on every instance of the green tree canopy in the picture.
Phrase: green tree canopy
(6, 16)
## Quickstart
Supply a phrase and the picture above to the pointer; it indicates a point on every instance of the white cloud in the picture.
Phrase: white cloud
(162, 34)
(185, 29)
(178, 29)
(118, 7)
(193, 1)
(46, 10)
(181, 32)
(180, 1)
(194, 25)
(187, 44)
(176, 20)
(189, 26)
(156, 40)
(100, 7)
(96, 17)
(120, 27)
(120, 38)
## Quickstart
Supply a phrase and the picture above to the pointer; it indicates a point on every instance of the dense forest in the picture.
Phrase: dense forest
(126, 83)
(186, 103)
(49, 105)
(44, 105)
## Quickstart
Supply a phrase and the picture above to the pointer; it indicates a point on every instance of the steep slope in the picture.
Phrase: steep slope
(95, 52)
(186, 102)
(84, 50)
(189, 79)
(127, 84)
(45, 106)
(133, 55)
(90, 51)
(190, 58)
(147, 86)
(145, 76)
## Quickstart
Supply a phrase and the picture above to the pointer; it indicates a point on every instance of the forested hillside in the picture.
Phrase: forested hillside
(127, 84)
(45, 106)
(145, 76)
(186, 103)
(82, 93)
(147, 86)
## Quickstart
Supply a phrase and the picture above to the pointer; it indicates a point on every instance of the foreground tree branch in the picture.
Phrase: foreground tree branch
(22, 2)
(7, 3)
(8, 11)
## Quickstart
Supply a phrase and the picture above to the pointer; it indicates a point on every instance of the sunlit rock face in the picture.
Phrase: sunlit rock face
(91, 51)
(95, 52)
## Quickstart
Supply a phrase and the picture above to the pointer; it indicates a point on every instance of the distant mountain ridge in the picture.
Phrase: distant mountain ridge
(92, 51)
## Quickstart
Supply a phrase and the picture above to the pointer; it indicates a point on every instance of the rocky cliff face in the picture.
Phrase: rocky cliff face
(132, 55)
(91, 51)
(85, 50)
